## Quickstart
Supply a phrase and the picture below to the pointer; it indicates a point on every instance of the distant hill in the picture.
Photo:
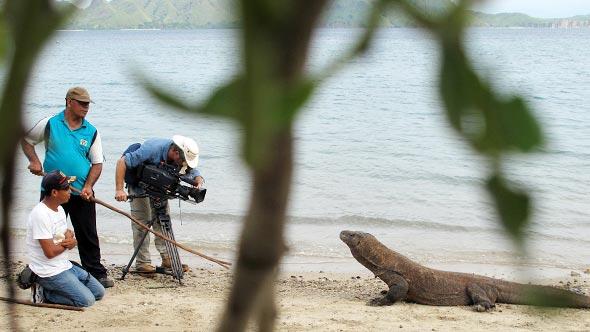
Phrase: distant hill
(353, 13)
(522, 20)
(171, 14)
(190, 14)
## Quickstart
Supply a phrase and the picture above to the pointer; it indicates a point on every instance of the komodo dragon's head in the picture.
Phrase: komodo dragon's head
(371, 253)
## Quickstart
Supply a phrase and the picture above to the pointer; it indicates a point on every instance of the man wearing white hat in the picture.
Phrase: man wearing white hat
(180, 151)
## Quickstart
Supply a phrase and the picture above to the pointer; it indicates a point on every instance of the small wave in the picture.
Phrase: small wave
(154, 29)
(349, 220)
(355, 220)
(112, 83)
(42, 106)
(560, 238)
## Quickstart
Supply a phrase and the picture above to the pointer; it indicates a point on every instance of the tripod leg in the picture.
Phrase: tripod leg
(126, 269)
(177, 270)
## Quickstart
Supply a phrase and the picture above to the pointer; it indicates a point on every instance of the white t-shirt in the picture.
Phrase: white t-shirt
(44, 223)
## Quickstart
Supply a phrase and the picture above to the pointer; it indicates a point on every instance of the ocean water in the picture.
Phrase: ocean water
(373, 151)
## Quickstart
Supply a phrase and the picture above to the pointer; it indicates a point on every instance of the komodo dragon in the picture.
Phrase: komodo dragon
(413, 282)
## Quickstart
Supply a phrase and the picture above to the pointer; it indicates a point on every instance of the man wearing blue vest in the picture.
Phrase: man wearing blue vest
(73, 145)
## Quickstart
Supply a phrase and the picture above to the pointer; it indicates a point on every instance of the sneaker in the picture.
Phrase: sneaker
(167, 264)
(37, 293)
(26, 278)
(106, 282)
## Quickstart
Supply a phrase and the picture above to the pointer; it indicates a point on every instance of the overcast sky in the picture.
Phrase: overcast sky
(537, 8)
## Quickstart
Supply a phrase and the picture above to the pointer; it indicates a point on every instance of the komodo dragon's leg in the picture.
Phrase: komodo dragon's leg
(398, 289)
(481, 300)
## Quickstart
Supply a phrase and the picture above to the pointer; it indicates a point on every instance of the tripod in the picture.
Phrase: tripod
(162, 217)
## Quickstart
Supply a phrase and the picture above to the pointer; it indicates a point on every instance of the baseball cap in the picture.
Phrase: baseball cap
(56, 180)
(79, 93)
(190, 149)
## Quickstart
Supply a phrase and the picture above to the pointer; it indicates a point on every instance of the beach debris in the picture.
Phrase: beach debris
(574, 274)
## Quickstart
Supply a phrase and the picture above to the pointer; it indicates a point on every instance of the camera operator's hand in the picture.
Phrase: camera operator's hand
(198, 182)
(121, 195)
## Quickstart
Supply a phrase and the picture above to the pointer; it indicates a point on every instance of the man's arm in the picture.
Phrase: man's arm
(96, 158)
(120, 194)
(34, 136)
(93, 176)
(35, 166)
(52, 250)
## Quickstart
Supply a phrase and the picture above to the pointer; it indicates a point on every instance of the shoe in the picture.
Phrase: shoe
(167, 264)
(145, 267)
(146, 270)
(26, 278)
(106, 282)
(37, 295)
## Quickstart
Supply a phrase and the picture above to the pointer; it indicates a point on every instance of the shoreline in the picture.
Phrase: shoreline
(116, 254)
(306, 301)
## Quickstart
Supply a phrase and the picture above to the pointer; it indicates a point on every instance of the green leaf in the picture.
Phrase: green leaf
(225, 101)
(274, 113)
(512, 206)
(295, 98)
(489, 123)
(517, 127)
(459, 85)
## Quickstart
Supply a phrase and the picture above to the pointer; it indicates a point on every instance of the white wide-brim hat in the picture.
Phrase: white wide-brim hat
(190, 149)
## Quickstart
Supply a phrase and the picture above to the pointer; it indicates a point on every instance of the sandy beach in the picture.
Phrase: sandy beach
(307, 301)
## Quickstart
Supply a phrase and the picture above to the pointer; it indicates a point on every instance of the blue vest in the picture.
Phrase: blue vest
(68, 150)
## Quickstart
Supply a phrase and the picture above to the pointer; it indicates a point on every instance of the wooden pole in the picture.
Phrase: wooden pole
(158, 234)
(43, 305)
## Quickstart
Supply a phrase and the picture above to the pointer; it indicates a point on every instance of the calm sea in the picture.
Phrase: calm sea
(373, 151)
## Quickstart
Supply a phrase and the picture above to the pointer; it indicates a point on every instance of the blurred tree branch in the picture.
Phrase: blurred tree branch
(28, 25)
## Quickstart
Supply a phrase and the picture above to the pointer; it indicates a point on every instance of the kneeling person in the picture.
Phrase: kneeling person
(48, 242)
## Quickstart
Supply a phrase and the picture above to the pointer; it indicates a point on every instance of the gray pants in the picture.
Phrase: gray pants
(143, 211)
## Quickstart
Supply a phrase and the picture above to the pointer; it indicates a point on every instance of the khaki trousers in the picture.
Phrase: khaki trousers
(143, 211)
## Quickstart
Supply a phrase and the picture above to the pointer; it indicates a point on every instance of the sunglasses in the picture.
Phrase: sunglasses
(84, 104)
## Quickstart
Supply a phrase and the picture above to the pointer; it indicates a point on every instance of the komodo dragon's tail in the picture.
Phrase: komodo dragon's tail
(542, 296)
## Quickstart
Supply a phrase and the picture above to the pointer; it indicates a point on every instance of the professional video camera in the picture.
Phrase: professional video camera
(165, 181)
(160, 183)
